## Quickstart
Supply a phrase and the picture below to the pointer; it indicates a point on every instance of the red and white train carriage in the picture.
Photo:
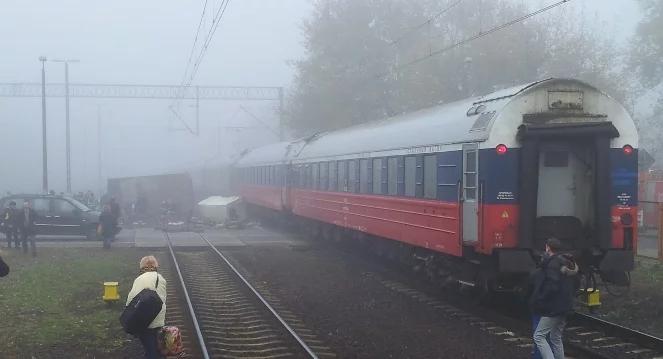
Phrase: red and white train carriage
(472, 187)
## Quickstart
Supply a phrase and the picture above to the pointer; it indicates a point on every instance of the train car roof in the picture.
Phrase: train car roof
(464, 121)
(438, 125)
(274, 153)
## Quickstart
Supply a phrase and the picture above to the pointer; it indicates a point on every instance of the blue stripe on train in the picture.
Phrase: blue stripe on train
(624, 176)
(498, 175)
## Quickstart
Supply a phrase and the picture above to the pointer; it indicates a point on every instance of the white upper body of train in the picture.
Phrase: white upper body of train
(489, 121)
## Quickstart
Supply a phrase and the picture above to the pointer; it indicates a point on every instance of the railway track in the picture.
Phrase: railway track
(597, 338)
(585, 336)
(229, 317)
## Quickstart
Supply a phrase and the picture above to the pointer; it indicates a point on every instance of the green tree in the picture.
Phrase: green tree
(645, 62)
(647, 49)
(356, 50)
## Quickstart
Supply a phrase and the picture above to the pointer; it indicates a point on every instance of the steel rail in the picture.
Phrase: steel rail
(645, 340)
(299, 340)
(199, 334)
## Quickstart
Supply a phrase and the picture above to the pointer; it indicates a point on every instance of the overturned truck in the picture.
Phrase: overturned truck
(146, 198)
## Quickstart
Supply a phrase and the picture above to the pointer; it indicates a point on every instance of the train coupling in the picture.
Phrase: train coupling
(590, 298)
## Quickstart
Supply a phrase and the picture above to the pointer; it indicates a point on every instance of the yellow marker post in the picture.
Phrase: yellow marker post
(111, 292)
(591, 298)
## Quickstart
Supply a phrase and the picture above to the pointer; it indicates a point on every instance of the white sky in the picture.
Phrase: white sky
(148, 42)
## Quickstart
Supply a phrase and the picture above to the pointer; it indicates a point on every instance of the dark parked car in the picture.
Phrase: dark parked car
(58, 215)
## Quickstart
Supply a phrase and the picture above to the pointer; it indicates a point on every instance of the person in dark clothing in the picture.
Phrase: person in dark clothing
(115, 212)
(10, 219)
(107, 223)
(26, 225)
(4, 268)
(552, 299)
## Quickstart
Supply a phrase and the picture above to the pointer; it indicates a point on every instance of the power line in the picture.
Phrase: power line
(428, 21)
(477, 36)
(216, 20)
(195, 42)
(215, 25)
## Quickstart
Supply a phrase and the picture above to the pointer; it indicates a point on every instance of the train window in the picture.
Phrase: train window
(352, 176)
(277, 175)
(556, 159)
(307, 176)
(363, 176)
(392, 176)
(410, 176)
(302, 176)
(342, 176)
(332, 176)
(470, 175)
(430, 176)
(377, 176)
(420, 177)
(324, 176)
(315, 184)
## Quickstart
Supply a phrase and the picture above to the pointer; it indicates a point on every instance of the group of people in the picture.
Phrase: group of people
(20, 224)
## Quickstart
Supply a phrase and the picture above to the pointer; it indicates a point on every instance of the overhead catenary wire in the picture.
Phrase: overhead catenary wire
(408, 32)
(425, 23)
(474, 37)
(208, 40)
(195, 42)
(186, 82)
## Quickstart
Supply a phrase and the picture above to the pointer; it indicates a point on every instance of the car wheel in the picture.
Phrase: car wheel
(91, 234)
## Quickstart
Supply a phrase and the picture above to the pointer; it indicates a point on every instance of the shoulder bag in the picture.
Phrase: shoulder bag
(142, 310)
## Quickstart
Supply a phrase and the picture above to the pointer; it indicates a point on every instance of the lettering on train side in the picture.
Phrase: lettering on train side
(624, 198)
(425, 149)
(505, 196)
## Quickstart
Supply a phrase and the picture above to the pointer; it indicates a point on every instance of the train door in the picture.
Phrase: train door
(557, 187)
(470, 193)
(565, 198)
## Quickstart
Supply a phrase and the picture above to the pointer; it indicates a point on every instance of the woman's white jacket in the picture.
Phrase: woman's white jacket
(148, 280)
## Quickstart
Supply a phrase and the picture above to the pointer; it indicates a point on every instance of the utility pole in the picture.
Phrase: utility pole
(197, 111)
(67, 136)
(101, 185)
(281, 124)
(44, 157)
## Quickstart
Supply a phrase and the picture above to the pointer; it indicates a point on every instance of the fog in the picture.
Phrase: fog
(145, 42)
(148, 42)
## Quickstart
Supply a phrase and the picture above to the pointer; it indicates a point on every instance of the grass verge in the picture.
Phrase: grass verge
(51, 306)
(641, 303)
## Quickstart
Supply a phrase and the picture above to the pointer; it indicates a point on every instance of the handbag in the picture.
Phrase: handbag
(142, 310)
(170, 341)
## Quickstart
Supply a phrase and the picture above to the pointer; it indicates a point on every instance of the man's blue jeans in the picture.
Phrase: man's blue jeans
(548, 337)
(535, 323)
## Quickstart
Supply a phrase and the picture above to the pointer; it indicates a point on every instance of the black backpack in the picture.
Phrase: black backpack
(142, 310)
